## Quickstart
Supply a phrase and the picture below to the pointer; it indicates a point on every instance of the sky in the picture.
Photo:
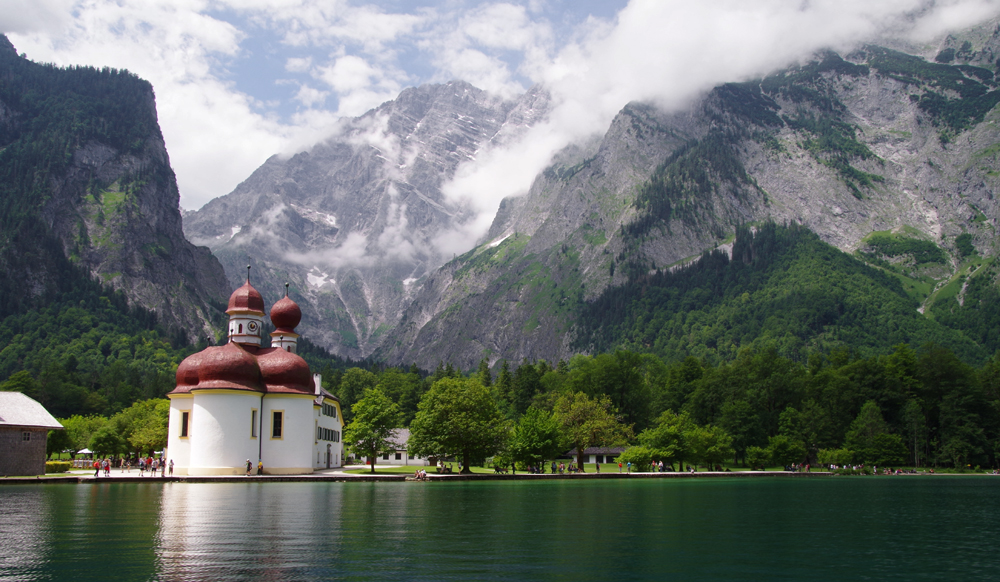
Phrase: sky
(239, 80)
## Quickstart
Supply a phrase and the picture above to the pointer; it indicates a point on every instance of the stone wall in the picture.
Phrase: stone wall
(21, 457)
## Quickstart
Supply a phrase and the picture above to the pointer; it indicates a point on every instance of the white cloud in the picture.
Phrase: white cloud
(669, 52)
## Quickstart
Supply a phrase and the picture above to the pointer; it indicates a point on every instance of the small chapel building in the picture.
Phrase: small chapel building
(240, 402)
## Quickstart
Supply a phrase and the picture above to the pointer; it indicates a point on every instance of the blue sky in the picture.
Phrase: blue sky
(237, 81)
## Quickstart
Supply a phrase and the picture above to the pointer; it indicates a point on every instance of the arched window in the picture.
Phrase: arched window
(288, 348)
(241, 328)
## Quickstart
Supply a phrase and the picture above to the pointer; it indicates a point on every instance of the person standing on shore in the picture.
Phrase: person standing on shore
(249, 467)
(171, 467)
(260, 467)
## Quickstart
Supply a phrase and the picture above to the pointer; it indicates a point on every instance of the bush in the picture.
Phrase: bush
(57, 466)
(757, 457)
(641, 457)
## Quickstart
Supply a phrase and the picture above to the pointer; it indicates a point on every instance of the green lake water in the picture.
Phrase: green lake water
(906, 528)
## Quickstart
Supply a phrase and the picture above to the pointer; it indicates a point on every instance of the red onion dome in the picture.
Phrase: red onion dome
(229, 366)
(187, 371)
(284, 371)
(246, 298)
(286, 315)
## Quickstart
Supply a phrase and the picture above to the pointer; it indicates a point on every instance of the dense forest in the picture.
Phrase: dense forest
(784, 288)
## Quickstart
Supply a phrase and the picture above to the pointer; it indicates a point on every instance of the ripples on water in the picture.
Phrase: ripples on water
(711, 529)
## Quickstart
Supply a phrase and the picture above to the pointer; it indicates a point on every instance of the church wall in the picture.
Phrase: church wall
(291, 454)
(178, 449)
(221, 437)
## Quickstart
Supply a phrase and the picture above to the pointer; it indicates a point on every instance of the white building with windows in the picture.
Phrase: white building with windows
(240, 402)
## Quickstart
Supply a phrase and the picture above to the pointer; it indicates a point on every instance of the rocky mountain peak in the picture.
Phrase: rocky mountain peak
(354, 221)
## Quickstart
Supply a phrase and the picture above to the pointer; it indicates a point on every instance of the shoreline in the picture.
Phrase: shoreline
(342, 477)
(432, 477)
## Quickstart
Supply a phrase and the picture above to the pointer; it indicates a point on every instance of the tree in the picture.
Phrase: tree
(535, 438)
(57, 442)
(505, 382)
(526, 384)
(668, 438)
(585, 422)
(870, 439)
(758, 457)
(457, 416)
(640, 456)
(483, 374)
(353, 385)
(107, 441)
(710, 444)
(371, 428)
(785, 450)
(81, 428)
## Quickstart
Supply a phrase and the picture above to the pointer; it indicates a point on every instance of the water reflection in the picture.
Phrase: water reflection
(651, 530)
(24, 529)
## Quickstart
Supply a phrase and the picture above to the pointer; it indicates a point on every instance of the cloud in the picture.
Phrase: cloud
(669, 52)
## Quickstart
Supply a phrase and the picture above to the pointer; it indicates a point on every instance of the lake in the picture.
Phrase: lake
(837, 528)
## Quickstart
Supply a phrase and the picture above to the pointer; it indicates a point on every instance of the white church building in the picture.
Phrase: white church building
(240, 402)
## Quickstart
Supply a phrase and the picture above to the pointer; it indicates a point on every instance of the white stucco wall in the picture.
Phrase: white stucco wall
(220, 434)
(336, 448)
(178, 449)
(293, 452)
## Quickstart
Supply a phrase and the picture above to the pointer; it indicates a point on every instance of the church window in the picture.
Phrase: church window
(253, 423)
(288, 348)
(277, 416)
(241, 328)
(185, 418)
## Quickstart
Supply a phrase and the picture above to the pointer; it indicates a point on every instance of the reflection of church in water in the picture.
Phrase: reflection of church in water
(239, 401)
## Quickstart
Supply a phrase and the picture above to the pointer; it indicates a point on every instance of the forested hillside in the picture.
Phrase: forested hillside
(785, 288)
(101, 295)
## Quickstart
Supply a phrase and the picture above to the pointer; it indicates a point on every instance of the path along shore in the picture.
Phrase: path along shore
(341, 476)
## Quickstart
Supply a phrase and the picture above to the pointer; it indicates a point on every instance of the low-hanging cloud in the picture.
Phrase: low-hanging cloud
(342, 57)
(668, 52)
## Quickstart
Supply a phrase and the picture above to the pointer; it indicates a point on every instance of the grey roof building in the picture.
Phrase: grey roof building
(24, 426)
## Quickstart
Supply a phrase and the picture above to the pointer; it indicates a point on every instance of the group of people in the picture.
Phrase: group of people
(420, 475)
(144, 464)
(260, 467)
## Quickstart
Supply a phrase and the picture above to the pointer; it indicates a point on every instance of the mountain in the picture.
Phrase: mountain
(886, 154)
(86, 192)
(352, 223)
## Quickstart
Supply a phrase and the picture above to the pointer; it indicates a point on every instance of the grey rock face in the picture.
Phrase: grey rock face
(353, 224)
(129, 235)
(513, 297)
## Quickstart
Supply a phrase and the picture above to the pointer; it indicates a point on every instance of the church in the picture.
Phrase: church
(238, 402)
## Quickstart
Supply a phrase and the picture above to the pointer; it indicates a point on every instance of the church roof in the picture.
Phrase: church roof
(246, 298)
(18, 410)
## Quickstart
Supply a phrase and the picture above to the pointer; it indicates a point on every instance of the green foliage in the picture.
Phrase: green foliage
(758, 457)
(371, 429)
(457, 417)
(586, 422)
(957, 97)
(963, 243)
(57, 442)
(535, 438)
(783, 288)
(641, 458)
(895, 245)
(57, 466)
(668, 437)
(839, 457)
(785, 451)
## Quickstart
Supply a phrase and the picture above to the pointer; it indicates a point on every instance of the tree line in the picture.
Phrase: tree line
(918, 407)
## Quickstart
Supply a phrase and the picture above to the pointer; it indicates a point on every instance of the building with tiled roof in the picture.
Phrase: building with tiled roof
(24, 428)
(240, 402)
